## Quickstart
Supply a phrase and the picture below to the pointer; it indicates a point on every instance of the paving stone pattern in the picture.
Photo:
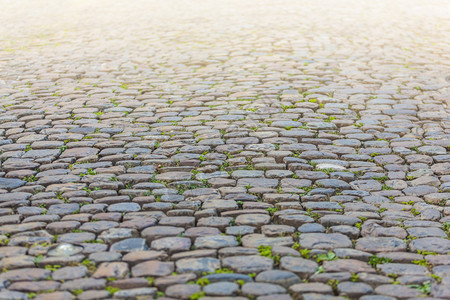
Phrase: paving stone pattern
(224, 149)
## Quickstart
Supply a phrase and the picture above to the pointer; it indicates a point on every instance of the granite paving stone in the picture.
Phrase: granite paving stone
(224, 149)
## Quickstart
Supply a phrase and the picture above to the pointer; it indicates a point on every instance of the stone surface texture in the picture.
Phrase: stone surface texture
(238, 149)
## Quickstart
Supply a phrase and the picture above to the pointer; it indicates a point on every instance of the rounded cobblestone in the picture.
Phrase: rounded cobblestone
(234, 149)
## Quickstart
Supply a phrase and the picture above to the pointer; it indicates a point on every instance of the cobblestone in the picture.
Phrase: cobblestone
(233, 149)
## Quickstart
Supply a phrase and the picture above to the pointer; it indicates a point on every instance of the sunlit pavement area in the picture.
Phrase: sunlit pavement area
(224, 149)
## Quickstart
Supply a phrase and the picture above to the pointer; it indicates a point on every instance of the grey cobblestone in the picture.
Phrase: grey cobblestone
(234, 149)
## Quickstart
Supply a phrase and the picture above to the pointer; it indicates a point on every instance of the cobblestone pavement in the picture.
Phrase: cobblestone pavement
(224, 149)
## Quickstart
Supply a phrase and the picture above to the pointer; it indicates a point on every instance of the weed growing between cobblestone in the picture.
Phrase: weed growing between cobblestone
(266, 251)
(374, 261)
(424, 288)
(325, 256)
